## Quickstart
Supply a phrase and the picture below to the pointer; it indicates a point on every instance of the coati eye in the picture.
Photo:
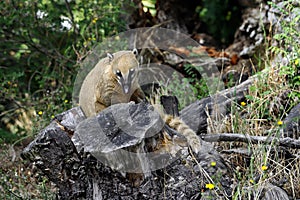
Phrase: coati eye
(118, 73)
(135, 52)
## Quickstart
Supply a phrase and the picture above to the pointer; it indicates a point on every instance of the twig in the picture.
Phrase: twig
(234, 137)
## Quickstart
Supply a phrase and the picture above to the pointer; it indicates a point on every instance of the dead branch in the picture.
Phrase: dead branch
(234, 137)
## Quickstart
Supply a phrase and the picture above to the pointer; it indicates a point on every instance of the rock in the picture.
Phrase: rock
(272, 192)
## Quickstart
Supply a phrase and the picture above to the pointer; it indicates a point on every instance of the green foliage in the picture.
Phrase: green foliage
(41, 44)
(181, 88)
(198, 87)
(187, 89)
(7, 137)
(221, 18)
(267, 95)
(149, 5)
(289, 45)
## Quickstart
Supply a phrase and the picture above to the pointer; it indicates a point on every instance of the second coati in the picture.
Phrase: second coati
(113, 80)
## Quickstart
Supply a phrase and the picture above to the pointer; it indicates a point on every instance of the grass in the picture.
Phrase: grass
(263, 117)
(269, 100)
(19, 179)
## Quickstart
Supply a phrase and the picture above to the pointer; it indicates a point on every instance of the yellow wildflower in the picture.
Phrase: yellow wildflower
(40, 112)
(243, 103)
(94, 21)
(264, 167)
(279, 122)
(213, 163)
(66, 101)
(297, 61)
(210, 186)
(251, 181)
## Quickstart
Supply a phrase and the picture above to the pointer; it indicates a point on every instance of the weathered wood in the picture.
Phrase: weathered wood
(55, 155)
(216, 106)
(170, 105)
(114, 136)
(233, 137)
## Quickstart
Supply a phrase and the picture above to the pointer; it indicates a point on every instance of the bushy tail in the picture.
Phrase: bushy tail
(177, 124)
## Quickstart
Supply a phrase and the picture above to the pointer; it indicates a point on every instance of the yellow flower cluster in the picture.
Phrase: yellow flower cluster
(210, 186)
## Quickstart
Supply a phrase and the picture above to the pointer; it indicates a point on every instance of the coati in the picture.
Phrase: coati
(114, 80)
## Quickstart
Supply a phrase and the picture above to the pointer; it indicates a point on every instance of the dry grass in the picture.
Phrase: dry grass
(267, 105)
(19, 179)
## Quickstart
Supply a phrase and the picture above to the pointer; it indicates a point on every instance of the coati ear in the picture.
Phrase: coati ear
(138, 57)
(110, 57)
(135, 52)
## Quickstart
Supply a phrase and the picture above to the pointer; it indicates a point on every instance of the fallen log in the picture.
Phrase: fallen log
(218, 105)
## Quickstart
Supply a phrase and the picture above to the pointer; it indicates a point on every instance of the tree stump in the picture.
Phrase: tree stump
(81, 157)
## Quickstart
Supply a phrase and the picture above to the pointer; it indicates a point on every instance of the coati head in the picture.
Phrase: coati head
(124, 66)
